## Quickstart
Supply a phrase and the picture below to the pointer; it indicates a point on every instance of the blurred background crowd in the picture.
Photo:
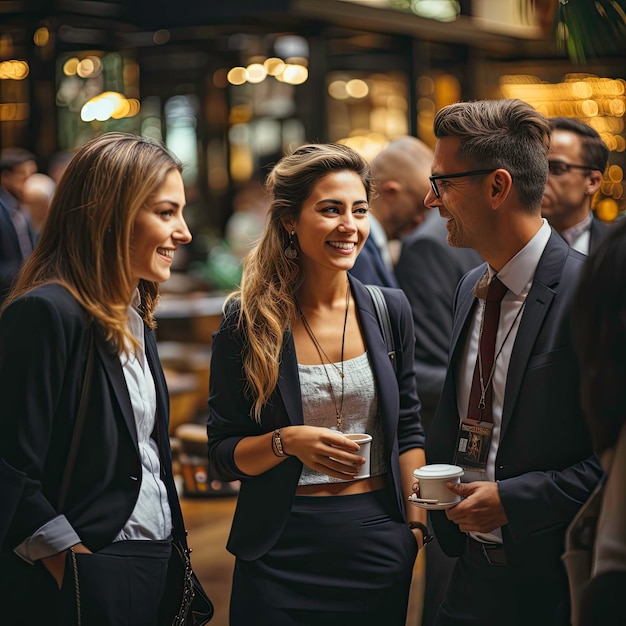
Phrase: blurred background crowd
(230, 87)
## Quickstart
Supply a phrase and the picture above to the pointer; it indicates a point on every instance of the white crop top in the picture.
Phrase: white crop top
(360, 408)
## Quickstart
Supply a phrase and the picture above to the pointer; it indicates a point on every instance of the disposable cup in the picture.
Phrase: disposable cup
(432, 481)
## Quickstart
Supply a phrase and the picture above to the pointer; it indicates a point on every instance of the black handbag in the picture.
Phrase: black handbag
(185, 603)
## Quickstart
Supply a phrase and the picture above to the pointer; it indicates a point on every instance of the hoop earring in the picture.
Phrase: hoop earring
(291, 252)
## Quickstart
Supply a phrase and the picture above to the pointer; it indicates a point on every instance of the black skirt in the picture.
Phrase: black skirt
(340, 559)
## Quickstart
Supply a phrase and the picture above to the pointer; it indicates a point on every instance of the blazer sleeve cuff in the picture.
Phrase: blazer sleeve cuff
(53, 537)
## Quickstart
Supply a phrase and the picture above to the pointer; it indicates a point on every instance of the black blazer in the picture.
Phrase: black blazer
(42, 361)
(11, 258)
(264, 501)
(428, 271)
(370, 267)
(598, 231)
(545, 465)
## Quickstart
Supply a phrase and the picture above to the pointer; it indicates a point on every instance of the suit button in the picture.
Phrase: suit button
(134, 478)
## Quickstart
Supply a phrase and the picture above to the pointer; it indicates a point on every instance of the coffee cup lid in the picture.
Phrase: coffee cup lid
(438, 470)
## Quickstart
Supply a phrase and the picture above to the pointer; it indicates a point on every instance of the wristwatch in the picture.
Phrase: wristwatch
(277, 444)
(427, 537)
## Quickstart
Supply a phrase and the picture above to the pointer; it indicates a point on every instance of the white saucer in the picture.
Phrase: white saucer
(439, 506)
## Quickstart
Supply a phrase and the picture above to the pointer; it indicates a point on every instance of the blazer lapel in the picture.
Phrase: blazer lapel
(540, 296)
(113, 369)
(289, 381)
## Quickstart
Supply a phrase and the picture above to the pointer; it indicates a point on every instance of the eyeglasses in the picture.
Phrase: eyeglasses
(433, 179)
(558, 168)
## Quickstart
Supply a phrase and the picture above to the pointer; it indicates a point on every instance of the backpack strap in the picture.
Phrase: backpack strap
(382, 313)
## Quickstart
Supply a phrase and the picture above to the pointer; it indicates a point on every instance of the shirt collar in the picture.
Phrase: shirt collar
(520, 270)
(135, 321)
(574, 232)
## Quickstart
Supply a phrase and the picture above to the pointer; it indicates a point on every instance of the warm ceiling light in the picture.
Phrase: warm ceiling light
(237, 76)
(357, 88)
(256, 73)
(274, 66)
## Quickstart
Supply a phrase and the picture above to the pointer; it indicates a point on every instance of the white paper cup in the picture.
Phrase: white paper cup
(365, 442)
(432, 480)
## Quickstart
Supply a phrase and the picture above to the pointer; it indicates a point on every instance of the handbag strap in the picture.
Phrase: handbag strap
(382, 314)
(78, 425)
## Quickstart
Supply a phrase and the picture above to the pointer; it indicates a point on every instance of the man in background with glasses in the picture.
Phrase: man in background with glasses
(509, 413)
(577, 160)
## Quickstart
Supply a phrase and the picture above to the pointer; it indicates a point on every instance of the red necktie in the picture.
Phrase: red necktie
(487, 348)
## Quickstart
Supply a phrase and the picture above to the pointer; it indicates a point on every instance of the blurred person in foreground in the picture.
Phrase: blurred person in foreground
(576, 162)
(94, 549)
(16, 236)
(299, 360)
(397, 207)
(600, 338)
(512, 377)
(37, 196)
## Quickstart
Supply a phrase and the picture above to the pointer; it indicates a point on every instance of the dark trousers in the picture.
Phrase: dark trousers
(484, 594)
(121, 585)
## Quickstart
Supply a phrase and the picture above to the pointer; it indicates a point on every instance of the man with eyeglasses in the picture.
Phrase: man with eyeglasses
(576, 161)
(512, 379)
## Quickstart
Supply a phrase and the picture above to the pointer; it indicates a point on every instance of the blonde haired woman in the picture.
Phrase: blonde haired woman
(298, 362)
(93, 549)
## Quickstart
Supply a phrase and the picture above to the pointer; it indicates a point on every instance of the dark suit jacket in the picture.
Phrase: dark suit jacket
(545, 466)
(11, 258)
(42, 362)
(598, 231)
(264, 501)
(428, 271)
(370, 268)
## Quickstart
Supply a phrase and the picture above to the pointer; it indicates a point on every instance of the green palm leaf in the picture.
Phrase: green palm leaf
(585, 29)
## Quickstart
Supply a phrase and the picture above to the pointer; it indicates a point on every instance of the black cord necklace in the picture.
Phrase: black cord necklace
(322, 354)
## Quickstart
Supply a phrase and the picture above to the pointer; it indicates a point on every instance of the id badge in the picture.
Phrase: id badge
(473, 444)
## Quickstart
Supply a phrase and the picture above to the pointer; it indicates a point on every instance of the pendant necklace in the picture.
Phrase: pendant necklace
(322, 354)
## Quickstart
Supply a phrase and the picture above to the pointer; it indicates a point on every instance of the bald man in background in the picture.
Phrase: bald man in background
(36, 196)
(397, 209)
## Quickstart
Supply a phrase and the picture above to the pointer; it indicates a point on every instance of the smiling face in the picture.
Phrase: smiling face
(158, 230)
(333, 225)
(460, 200)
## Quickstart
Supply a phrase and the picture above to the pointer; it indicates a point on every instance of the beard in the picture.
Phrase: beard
(454, 238)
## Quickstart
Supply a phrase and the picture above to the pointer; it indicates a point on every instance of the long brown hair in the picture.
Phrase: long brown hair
(270, 279)
(86, 242)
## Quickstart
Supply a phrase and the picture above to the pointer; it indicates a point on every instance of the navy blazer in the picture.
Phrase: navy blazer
(428, 271)
(42, 362)
(597, 232)
(11, 258)
(370, 267)
(265, 501)
(545, 467)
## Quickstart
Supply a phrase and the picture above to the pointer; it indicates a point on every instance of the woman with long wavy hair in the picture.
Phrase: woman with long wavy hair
(299, 364)
(89, 532)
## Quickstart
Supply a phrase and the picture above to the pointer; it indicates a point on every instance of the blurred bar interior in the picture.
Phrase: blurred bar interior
(230, 86)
